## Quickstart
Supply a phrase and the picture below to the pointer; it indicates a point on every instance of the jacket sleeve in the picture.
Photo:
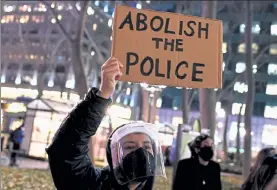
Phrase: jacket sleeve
(70, 165)
(218, 178)
(180, 182)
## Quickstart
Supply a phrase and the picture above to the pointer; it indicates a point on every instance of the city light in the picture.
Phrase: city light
(110, 22)
(8, 8)
(60, 17)
(148, 2)
(96, 3)
(53, 5)
(106, 8)
(3, 78)
(94, 27)
(50, 83)
(18, 80)
(53, 20)
(138, 6)
(92, 53)
(90, 11)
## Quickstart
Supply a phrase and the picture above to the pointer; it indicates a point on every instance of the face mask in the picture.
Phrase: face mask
(137, 166)
(206, 153)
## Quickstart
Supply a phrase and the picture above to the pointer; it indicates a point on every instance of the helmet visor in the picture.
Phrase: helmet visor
(136, 153)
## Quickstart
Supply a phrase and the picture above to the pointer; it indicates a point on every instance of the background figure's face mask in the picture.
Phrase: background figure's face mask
(136, 153)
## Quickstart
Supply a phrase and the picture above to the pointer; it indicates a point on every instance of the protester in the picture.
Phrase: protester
(167, 156)
(133, 152)
(265, 176)
(262, 155)
(16, 138)
(198, 172)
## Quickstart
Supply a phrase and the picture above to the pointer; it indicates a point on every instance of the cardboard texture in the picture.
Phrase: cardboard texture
(162, 48)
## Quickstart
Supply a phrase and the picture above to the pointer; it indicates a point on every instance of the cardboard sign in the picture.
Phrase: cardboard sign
(162, 48)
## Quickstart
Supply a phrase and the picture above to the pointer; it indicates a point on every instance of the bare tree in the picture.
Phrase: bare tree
(238, 136)
(207, 97)
(250, 93)
(75, 44)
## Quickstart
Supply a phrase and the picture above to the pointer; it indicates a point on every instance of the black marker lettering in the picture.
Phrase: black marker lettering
(177, 70)
(161, 23)
(141, 25)
(166, 30)
(195, 71)
(144, 61)
(206, 30)
(157, 67)
(127, 20)
(157, 40)
(190, 27)
(128, 61)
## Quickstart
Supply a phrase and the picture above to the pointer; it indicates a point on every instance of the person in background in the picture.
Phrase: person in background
(198, 172)
(133, 151)
(16, 138)
(167, 156)
(264, 177)
(262, 155)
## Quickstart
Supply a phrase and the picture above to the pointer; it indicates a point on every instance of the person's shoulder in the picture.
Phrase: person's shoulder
(214, 164)
(186, 161)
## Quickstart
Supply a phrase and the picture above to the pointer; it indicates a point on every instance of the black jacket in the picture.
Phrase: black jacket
(70, 165)
(191, 175)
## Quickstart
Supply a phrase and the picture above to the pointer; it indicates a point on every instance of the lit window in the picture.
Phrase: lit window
(236, 108)
(7, 19)
(25, 8)
(59, 17)
(240, 87)
(255, 28)
(272, 69)
(234, 130)
(9, 8)
(106, 8)
(224, 47)
(255, 48)
(270, 112)
(110, 22)
(23, 18)
(60, 6)
(255, 68)
(53, 20)
(223, 66)
(271, 89)
(40, 8)
(273, 49)
(78, 6)
(90, 11)
(269, 135)
(96, 3)
(241, 48)
(240, 67)
(94, 27)
(138, 6)
(38, 19)
(273, 29)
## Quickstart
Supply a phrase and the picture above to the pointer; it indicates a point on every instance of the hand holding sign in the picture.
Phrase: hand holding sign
(161, 48)
(111, 72)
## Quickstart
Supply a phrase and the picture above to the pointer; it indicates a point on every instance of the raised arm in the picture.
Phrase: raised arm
(68, 154)
(69, 162)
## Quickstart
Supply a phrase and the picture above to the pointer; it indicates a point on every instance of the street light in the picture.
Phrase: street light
(151, 89)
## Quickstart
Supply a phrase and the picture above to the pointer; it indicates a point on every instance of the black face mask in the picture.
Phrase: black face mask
(137, 166)
(206, 153)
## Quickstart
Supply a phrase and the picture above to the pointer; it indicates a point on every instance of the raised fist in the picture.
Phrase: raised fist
(110, 73)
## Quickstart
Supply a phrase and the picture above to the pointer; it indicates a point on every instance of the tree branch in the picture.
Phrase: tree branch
(257, 58)
(101, 58)
(193, 94)
(61, 27)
